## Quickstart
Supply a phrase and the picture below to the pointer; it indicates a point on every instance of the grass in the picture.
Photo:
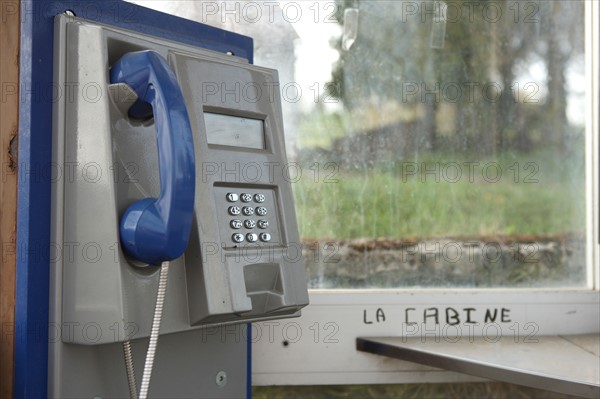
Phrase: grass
(491, 390)
(537, 194)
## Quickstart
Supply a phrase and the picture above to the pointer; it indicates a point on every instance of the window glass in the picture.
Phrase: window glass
(431, 143)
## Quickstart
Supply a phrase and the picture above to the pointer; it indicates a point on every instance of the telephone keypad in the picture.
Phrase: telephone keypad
(248, 204)
(236, 224)
(263, 224)
(232, 197)
(237, 237)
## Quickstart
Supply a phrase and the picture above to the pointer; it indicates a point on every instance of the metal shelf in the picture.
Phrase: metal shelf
(566, 364)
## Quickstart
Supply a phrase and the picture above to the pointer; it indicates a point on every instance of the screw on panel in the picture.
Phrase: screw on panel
(230, 53)
(221, 379)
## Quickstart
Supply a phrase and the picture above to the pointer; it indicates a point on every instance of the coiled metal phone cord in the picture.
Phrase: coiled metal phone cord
(158, 309)
(130, 370)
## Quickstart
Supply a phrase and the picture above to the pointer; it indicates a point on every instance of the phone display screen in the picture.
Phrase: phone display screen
(234, 131)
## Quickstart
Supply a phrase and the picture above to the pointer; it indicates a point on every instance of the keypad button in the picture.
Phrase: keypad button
(251, 237)
(248, 211)
(246, 197)
(237, 237)
(234, 210)
(249, 224)
(261, 210)
(259, 198)
(236, 224)
(263, 224)
(265, 237)
(232, 197)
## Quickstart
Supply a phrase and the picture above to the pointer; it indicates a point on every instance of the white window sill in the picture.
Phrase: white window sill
(321, 344)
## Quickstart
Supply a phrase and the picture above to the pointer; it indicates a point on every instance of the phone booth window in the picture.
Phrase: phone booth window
(431, 143)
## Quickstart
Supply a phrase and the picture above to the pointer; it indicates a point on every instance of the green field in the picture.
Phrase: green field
(541, 193)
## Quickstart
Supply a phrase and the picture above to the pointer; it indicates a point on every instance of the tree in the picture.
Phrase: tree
(484, 44)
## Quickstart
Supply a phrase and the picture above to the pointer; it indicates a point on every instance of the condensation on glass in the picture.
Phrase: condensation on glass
(432, 143)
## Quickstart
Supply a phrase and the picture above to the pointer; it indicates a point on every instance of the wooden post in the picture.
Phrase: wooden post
(9, 125)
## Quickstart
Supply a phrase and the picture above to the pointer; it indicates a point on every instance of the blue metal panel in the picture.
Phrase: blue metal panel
(249, 361)
(35, 143)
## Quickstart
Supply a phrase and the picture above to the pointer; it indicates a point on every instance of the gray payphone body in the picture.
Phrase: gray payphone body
(243, 262)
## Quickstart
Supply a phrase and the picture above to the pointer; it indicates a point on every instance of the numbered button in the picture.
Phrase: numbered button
(259, 198)
(236, 224)
(237, 237)
(246, 197)
(249, 224)
(232, 197)
(234, 210)
(251, 237)
(248, 211)
(261, 210)
(265, 237)
(263, 224)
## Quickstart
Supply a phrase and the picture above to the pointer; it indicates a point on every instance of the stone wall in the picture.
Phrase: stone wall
(480, 262)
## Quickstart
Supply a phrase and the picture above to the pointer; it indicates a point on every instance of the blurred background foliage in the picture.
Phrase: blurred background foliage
(498, 82)
(503, 88)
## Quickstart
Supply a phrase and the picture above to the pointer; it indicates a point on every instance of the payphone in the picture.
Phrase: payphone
(166, 152)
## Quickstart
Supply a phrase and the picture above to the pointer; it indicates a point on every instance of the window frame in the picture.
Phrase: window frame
(320, 348)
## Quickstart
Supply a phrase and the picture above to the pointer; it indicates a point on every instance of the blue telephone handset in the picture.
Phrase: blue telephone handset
(154, 230)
